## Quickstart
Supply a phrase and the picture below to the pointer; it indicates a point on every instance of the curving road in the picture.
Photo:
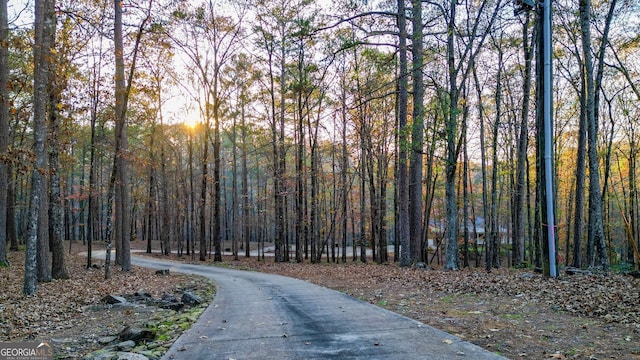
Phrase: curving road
(264, 316)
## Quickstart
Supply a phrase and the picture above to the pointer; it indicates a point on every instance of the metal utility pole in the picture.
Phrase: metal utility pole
(548, 135)
(545, 100)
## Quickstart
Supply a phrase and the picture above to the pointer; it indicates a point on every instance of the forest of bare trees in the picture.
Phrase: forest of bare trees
(317, 131)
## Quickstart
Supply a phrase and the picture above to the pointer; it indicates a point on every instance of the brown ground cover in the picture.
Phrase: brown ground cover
(516, 313)
(70, 313)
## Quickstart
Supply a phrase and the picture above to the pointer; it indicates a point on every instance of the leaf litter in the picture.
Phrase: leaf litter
(70, 314)
(515, 313)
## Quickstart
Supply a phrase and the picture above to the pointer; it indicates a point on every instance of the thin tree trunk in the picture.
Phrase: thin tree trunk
(120, 165)
(452, 260)
(12, 233)
(300, 160)
(4, 131)
(58, 266)
(580, 182)
(235, 234)
(493, 256)
(278, 132)
(465, 193)
(166, 219)
(216, 230)
(92, 215)
(596, 228)
(417, 135)
(403, 181)
(343, 175)
(246, 228)
(523, 142)
(151, 190)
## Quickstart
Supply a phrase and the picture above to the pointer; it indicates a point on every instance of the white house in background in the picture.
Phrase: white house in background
(476, 230)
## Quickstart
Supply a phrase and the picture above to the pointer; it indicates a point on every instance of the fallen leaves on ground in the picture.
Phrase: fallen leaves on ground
(70, 312)
(517, 313)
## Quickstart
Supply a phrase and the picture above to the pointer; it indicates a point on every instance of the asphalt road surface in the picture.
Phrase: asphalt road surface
(264, 316)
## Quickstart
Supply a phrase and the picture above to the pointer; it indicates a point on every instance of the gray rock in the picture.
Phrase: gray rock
(190, 298)
(126, 345)
(176, 306)
(101, 354)
(135, 334)
(169, 297)
(114, 299)
(131, 356)
(107, 339)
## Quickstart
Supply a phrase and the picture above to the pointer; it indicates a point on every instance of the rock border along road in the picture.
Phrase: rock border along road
(264, 316)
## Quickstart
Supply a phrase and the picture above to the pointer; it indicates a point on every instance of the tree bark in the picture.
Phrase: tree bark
(44, 21)
(4, 131)
(596, 227)
(166, 219)
(120, 155)
(452, 260)
(93, 232)
(403, 181)
(417, 134)
(580, 179)
(246, 228)
(58, 266)
(521, 155)
(493, 256)
(43, 257)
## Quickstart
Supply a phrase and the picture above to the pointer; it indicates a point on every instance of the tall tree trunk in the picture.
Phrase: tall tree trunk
(465, 192)
(192, 198)
(92, 213)
(277, 191)
(150, 211)
(300, 160)
(403, 181)
(596, 227)
(362, 160)
(58, 266)
(383, 165)
(601, 242)
(217, 192)
(343, 173)
(281, 204)
(119, 182)
(246, 228)
(521, 155)
(235, 234)
(493, 256)
(203, 188)
(580, 174)
(121, 185)
(452, 260)
(417, 134)
(165, 236)
(44, 22)
(4, 131)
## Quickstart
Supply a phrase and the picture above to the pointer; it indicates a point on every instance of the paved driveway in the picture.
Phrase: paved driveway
(264, 316)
